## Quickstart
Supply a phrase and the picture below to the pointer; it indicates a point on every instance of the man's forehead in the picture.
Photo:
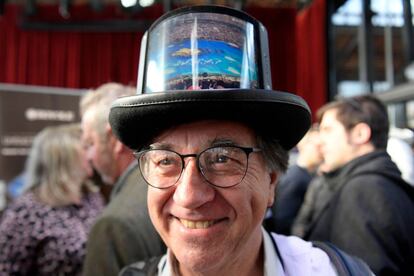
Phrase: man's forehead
(330, 119)
(87, 131)
(89, 115)
(207, 133)
(329, 115)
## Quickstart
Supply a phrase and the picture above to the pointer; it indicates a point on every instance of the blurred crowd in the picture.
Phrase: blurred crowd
(78, 193)
(349, 182)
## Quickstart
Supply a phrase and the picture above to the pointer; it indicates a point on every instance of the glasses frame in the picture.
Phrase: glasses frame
(246, 150)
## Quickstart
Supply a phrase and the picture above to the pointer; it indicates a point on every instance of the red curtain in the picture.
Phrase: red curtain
(86, 59)
(65, 58)
(280, 25)
(311, 78)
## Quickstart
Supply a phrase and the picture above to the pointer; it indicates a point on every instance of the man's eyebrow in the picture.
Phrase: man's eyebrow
(215, 142)
(223, 142)
(163, 146)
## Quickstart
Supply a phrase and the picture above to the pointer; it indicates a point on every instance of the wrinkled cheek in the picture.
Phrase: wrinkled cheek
(259, 204)
(251, 199)
(157, 205)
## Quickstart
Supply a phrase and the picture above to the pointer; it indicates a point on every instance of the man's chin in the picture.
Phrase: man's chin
(198, 263)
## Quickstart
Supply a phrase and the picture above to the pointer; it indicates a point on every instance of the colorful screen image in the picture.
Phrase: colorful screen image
(201, 51)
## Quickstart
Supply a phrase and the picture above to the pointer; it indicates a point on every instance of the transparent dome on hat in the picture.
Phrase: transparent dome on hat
(206, 63)
(200, 51)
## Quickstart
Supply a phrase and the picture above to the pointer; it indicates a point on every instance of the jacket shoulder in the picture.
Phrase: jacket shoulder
(300, 257)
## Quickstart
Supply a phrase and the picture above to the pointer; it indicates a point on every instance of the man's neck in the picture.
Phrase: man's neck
(363, 149)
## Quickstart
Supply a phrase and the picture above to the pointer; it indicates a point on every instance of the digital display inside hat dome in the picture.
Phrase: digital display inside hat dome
(195, 51)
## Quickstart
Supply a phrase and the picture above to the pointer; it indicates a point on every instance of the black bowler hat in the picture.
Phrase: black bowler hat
(207, 62)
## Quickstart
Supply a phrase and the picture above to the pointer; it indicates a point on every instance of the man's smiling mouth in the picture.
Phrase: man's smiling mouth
(191, 224)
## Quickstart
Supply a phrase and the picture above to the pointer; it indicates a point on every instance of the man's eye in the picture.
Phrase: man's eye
(221, 159)
(166, 161)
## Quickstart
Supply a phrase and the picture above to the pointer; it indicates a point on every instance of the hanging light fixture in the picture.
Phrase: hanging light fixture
(146, 3)
(64, 8)
(128, 3)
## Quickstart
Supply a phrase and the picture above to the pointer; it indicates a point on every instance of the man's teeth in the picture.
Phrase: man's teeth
(196, 224)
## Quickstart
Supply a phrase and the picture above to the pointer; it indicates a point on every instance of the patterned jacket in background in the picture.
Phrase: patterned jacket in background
(37, 239)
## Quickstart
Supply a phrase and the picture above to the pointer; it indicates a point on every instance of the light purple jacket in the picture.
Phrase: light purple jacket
(299, 257)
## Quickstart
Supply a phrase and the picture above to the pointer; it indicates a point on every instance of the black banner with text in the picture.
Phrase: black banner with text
(24, 111)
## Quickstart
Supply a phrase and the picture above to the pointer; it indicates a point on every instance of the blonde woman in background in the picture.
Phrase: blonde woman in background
(44, 231)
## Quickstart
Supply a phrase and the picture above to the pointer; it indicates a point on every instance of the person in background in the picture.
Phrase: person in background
(400, 150)
(123, 233)
(15, 186)
(209, 157)
(44, 231)
(292, 186)
(362, 204)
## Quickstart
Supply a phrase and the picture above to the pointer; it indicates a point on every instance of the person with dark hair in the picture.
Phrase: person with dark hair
(209, 157)
(292, 186)
(361, 204)
(44, 230)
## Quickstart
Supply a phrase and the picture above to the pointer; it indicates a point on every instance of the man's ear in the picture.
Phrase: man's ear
(273, 177)
(361, 134)
(115, 143)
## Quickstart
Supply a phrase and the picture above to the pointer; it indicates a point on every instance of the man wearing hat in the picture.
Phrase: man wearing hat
(210, 159)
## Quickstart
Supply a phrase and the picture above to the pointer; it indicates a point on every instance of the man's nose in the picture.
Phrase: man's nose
(89, 153)
(192, 190)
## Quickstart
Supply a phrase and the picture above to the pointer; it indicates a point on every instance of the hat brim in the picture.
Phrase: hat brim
(136, 120)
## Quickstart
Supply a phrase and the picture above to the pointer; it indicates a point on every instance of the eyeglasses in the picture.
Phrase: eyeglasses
(221, 166)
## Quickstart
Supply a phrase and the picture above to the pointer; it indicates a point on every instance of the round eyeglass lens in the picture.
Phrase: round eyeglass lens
(160, 168)
(223, 166)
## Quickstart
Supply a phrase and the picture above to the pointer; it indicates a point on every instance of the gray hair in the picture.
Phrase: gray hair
(275, 155)
(100, 100)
